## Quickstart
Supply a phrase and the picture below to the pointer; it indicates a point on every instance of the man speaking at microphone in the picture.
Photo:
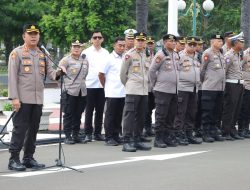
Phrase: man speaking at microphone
(27, 69)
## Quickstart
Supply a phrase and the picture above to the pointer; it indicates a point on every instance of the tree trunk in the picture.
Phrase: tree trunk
(8, 47)
(141, 15)
(245, 21)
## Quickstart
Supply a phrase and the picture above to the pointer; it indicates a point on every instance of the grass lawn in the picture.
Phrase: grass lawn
(3, 69)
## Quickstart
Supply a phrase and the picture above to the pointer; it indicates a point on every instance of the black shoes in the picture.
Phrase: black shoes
(219, 138)
(69, 140)
(15, 164)
(32, 163)
(141, 146)
(193, 140)
(128, 147)
(99, 137)
(170, 141)
(159, 143)
(149, 133)
(111, 142)
(237, 137)
(78, 139)
(207, 138)
(88, 138)
(228, 138)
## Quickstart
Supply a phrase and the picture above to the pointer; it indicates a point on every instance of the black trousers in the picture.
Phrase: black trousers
(148, 115)
(134, 114)
(197, 126)
(95, 102)
(74, 108)
(26, 124)
(113, 117)
(186, 111)
(243, 122)
(231, 108)
(165, 111)
(211, 106)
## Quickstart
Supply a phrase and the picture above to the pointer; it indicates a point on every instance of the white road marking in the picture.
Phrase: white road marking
(130, 159)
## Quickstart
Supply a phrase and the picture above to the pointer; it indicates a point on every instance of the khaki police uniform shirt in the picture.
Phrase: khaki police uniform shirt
(189, 72)
(246, 69)
(163, 72)
(149, 60)
(73, 67)
(225, 49)
(233, 65)
(213, 71)
(134, 73)
(26, 74)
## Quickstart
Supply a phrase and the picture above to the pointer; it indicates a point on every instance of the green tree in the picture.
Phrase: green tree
(75, 19)
(224, 17)
(14, 14)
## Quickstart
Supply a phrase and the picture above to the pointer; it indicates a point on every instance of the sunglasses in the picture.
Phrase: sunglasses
(97, 37)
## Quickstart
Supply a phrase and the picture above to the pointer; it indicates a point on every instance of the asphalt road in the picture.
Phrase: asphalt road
(216, 166)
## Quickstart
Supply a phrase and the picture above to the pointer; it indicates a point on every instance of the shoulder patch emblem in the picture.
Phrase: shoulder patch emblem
(158, 59)
(206, 58)
(13, 55)
(127, 57)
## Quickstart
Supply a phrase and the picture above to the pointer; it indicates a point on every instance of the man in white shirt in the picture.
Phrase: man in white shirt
(97, 57)
(109, 76)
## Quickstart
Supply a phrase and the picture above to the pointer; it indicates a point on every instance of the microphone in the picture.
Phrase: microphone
(44, 50)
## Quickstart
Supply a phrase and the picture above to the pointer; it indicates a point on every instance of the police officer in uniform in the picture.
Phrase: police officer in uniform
(129, 39)
(243, 121)
(28, 67)
(233, 90)
(213, 84)
(189, 81)
(227, 46)
(180, 44)
(134, 76)
(199, 52)
(150, 52)
(77, 69)
(164, 78)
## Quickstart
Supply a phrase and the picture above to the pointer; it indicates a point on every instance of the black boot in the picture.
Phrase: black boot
(207, 138)
(15, 164)
(128, 146)
(217, 135)
(192, 139)
(159, 143)
(140, 145)
(149, 132)
(181, 138)
(170, 140)
(32, 163)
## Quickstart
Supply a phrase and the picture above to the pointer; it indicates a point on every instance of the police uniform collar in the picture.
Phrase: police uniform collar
(74, 57)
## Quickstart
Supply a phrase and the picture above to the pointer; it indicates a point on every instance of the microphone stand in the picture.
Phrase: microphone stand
(4, 126)
(58, 161)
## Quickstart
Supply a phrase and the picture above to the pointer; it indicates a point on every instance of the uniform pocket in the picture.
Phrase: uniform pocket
(129, 104)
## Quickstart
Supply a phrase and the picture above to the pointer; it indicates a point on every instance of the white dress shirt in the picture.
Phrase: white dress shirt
(113, 86)
(96, 59)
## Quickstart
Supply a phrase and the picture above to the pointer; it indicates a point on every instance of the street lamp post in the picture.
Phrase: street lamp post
(208, 6)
